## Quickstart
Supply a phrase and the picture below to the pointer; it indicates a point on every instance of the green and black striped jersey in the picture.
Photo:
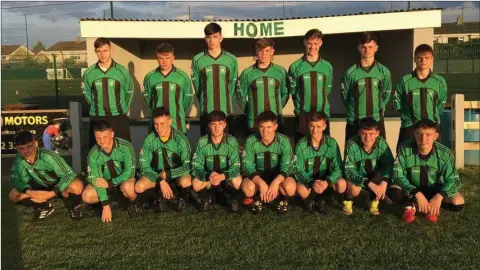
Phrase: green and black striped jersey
(214, 81)
(417, 99)
(322, 163)
(115, 167)
(222, 158)
(359, 165)
(171, 156)
(413, 172)
(262, 89)
(275, 158)
(172, 91)
(310, 85)
(49, 171)
(366, 93)
(108, 92)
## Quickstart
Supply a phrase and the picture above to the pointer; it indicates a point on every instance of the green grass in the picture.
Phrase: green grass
(220, 240)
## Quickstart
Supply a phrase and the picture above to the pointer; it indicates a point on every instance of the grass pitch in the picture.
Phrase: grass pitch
(221, 240)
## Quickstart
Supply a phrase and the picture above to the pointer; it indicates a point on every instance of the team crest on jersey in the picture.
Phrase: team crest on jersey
(320, 78)
(141, 151)
(342, 86)
(271, 81)
(194, 155)
(172, 87)
(375, 83)
(89, 169)
(222, 70)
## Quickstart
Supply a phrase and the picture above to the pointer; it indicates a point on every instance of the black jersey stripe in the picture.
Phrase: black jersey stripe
(356, 100)
(267, 160)
(165, 94)
(216, 163)
(118, 99)
(266, 99)
(301, 84)
(277, 97)
(255, 102)
(111, 169)
(227, 87)
(177, 107)
(423, 103)
(216, 87)
(95, 98)
(313, 91)
(166, 164)
(204, 87)
(324, 93)
(154, 163)
(368, 97)
(316, 166)
(106, 97)
(435, 100)
(423, 176)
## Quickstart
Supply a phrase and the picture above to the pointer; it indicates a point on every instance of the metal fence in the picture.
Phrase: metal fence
(457, 58)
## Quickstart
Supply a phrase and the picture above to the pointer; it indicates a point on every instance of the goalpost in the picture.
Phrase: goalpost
(62, 74)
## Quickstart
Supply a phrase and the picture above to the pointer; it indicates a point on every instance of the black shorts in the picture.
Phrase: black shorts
(120, 125)
(302, 127)
(352, 129)
(229, 129)
(430, 192)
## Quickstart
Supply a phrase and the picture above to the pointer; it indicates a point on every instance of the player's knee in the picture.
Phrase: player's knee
(236, 182)
(14, 195)
(184, 181)
(395, 194)
(140, 187)
(128, 187)
(341, 186)
(458, 200)
(289, 187)
(198, 185)
(89, 196)
(248, 187)
(76, 187)
(302, 191)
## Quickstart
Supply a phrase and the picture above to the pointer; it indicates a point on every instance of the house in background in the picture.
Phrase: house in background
(15, 53)
(457, 32)
(73, 51)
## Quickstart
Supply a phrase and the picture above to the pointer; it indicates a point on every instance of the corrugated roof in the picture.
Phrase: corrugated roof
(8, 49)
(257, 20)
(454, 28)
(68, 46)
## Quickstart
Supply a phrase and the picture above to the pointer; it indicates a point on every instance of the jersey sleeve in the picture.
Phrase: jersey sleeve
(19, 176)
(386, 87)
(233, 78)
(399, 102)
(196, 78)
(292, 81)
(129, 90)
(147, 91)
(286, 159)
(188, 92)
(443, 95)
(198, 163)
(450, 178)
(242, 90)
(249, 167)
(87, 89)
(400, 174)
(299, 169)
(63, 171)
(129, 164)
(329, 78)
(284, 90)
(233, 162)
(94, 172)
(351, 169)
(386, 160)
(185, 155)
(336, 167)
(345, 88)
(146, 155)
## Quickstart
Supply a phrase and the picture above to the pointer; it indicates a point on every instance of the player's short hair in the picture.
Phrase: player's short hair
(165, 48)
(212, 28)
(160, 111)
(99, 42)
(368, 124)
(422, 48)
(24, 137)
(216, 116)
(366, 37)
(264, 43)
(426, 123)
(313, 33)
(318, 116)
(102, 125)
(267, 116)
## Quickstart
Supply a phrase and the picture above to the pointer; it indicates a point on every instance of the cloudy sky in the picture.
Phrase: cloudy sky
(50, 22)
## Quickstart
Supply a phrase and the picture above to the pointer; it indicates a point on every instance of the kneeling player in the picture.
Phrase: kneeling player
(111, 171)
(425, 170)
(216, 164)
(368, 165)
(267, 165)
(38, 175)
(318, 165)
(165, 164)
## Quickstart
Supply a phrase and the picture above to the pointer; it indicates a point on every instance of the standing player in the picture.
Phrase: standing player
(421, 94)
(319, 165)
(214, 75)
(111, 171)
(267, 165)
(39, 175)
(168, 86)
(108, 89)
(368, 165)
(263, 86)
(425, 170)
(366, 87)
(165, 164)
(310, 84)
(216, 164)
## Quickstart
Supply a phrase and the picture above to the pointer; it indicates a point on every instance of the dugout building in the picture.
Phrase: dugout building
(398, 32)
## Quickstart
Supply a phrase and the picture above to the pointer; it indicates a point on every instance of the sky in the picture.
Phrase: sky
(50, 22)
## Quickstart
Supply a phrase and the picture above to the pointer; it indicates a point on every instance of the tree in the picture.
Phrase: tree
(38, 47)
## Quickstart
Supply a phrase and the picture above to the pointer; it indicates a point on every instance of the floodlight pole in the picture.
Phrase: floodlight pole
(111, 9)
(56, 79)
(26, 30)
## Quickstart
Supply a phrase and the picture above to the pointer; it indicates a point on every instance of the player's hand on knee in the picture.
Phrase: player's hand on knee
(107, 214)
(383, 189)
(101, 183)
(272, 192)
(423, 205)
(319, 186)
(435, 204)
(263, 187)
(166, 190)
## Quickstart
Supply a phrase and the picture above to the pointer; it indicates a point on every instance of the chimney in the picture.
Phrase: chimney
(459, 19)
